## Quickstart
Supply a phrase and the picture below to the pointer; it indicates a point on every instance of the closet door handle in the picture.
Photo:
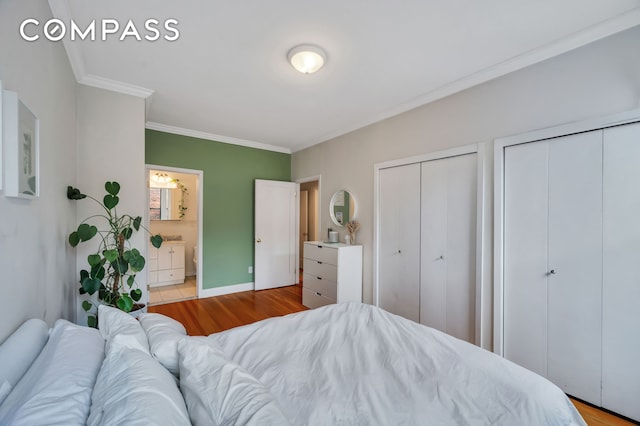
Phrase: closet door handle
(551, 272)
(440, 258)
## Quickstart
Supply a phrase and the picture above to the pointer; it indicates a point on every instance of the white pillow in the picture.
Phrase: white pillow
(134, 389)
(57, 387)
(19, 350)
(219, 392)
(163, 334)
(5, 388)
(114, 322)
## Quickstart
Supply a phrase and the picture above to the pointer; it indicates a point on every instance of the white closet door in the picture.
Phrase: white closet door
(621, 291)
(575, 255)
(448, 235)
(399, 241)
(526, 205)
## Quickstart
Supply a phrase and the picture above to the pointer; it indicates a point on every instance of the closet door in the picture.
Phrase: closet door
(553, 260)
(526, 206)
(575, 265)
(399, 241)
(448, 236)
(621, 287)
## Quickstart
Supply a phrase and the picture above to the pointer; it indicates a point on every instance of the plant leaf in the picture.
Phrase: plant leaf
(131, 280)
(74, 193)
(94, 260)
(127, 233)
(125, 303)
(86, 305)
(112, 187)
(136, 223)
(121, 266)
(156, 241)
(86, 232)
(91, 285)
(135, 259)
(110, 201)
(136, 294)
(98, 271)
(74, 239)
(110, 255)
(92, 321)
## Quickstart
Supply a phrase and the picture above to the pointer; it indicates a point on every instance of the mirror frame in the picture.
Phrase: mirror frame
(332, 203)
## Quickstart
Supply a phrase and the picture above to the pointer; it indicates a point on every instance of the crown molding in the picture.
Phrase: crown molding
(115, 86)
(594, 33)
(151, 125)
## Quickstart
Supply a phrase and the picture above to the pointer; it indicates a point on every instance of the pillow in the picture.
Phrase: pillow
(57, 387)
(114, 322)
(134, 389)
(219, 392)
(19, 350)
(5, 388)
(163, 334)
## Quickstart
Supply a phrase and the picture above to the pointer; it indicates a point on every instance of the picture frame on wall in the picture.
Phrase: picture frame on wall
(21, 146)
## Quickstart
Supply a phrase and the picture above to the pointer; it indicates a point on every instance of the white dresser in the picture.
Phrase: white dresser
(166, 264)
(332, 273)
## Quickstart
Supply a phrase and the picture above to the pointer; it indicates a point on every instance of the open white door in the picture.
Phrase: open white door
(276, 234)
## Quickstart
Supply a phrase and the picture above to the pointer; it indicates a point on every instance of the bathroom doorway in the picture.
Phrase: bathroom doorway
(309, 213)
(174, 272)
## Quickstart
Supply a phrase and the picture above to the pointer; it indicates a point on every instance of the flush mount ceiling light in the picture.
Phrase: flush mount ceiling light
(162, 180)
(307, 58)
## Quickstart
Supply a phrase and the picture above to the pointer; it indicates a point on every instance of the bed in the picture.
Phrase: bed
(346, 364)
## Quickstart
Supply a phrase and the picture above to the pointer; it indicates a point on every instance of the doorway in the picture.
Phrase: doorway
(175, 212)
(309, 213)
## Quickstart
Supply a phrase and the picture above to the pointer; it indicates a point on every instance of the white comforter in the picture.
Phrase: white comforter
(354, 364)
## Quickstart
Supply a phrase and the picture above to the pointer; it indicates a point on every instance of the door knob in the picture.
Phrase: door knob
(551, 272)
(258, 240)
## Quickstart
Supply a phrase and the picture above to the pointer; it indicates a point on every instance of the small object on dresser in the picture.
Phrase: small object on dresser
(333, 236)
(352, 228)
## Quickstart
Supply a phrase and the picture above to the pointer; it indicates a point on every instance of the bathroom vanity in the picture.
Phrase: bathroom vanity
(166, 264)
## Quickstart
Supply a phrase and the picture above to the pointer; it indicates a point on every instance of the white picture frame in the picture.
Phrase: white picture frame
(21, 148)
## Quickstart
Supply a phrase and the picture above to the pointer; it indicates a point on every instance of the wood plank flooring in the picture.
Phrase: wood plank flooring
(205, 316)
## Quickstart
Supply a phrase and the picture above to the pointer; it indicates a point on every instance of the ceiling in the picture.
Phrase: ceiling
(227, 77)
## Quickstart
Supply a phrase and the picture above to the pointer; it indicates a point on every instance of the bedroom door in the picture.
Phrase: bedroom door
(276, 234)
(399, 241)
(448, 245)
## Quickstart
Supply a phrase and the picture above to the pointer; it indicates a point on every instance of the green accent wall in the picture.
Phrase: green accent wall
(228, 197)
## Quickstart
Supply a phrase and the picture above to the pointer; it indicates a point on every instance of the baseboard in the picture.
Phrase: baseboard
(227, 289)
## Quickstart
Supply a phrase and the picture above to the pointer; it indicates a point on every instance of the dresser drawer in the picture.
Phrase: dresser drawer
(314, 300)
(317, 284)
(171, 275)
(325, 271)
(323, 254)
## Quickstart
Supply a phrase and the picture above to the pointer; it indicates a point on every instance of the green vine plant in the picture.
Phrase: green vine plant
(113, 267)
(181, 205)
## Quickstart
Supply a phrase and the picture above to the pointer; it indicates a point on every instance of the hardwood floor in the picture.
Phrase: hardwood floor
(205, 316)
(211, 315)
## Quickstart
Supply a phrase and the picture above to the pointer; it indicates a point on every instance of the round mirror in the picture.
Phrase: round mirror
(342, 207)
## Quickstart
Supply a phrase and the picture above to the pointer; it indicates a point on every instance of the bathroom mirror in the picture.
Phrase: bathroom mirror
(342, 207)
(164, 203)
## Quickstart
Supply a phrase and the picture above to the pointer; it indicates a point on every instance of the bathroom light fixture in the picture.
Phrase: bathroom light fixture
(307, 58)
(161, 180)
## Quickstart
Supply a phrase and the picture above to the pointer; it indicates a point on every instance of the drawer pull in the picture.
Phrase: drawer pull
(318, 278)
(318, 294)
(319, 246)
(319, 263)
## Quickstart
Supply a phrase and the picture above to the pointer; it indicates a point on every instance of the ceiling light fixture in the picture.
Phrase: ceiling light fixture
(307, 58)
(162, 180)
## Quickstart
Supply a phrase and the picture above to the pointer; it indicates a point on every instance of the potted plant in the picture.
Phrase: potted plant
(113, 267)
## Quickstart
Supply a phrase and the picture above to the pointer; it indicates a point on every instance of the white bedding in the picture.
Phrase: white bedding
(359, 365)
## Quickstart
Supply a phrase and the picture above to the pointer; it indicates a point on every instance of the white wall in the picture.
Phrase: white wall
(599, 79)
(38, 267)
(111, 148)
